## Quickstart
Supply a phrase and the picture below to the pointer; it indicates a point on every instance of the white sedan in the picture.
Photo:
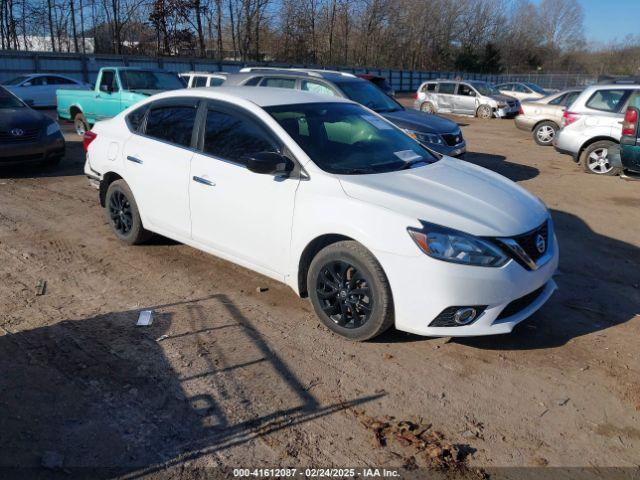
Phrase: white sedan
(39, 90)
(330, 198)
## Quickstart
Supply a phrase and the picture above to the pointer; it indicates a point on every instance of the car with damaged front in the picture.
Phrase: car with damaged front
(332, 199)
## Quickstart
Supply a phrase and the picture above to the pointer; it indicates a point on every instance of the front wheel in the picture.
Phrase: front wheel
(544, 133)
(123, 214)
(595, 158)
(349, 291)
(484, 111)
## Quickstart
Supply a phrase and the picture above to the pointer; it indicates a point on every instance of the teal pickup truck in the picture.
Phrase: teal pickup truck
(116, 89)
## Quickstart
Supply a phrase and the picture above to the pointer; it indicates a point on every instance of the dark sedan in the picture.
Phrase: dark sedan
(26, 135)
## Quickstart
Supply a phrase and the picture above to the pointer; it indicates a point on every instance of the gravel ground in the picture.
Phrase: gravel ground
(231, 377)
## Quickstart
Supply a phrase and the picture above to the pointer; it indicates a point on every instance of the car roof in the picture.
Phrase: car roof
(330, 75)
(261, 96)
(222, 74)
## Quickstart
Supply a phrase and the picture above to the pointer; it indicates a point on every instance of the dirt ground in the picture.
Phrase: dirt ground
(230, 377)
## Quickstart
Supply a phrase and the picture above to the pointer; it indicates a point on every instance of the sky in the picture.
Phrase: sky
(610, 20)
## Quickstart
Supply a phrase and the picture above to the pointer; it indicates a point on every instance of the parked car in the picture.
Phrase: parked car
(522, 90)
(438, 133)
(630, 140)
(116, 88)
(332, 199)
(203, 79)
(593, 125)
(378, 81)
(26, 135)
(40, 89)
(464, 97)
(542, 117)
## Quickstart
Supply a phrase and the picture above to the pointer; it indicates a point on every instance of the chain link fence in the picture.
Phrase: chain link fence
(86, 67)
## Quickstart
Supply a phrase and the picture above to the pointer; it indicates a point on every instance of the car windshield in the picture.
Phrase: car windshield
(347, 139)
(367, 94)
(485, 88)
(536, 88)
(9, 101)
(148, 80)
(16, 80)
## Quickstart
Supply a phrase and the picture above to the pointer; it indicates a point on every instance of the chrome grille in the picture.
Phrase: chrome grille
(9, 136)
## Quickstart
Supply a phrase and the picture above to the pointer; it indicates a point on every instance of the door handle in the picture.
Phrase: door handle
(204, 181)
(134, 159)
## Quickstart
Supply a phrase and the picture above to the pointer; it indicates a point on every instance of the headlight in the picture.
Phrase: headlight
(422, 137)
(53, 128)
(457, 247)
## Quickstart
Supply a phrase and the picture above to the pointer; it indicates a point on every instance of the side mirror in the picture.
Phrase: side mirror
(268, 163)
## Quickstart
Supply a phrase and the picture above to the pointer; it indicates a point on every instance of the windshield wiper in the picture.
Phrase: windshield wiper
(355, 171)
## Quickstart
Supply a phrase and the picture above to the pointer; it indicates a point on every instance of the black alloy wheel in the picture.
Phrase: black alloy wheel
(120, 213)
(345, 294)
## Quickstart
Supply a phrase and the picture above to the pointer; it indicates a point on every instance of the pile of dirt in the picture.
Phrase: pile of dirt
(422, 445)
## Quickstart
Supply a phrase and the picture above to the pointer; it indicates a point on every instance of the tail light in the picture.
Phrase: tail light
(630, 122)
(88, 137)
(569, 117)
(520, 111)
(415, 95)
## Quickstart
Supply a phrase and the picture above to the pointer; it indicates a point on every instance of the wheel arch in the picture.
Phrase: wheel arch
(107, 179)
(74, 110)
(593, 140)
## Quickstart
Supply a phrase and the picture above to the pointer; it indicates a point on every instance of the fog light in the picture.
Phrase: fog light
(465, 316)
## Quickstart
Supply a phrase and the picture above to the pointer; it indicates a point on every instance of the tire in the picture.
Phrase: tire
(594, 159)
(349, 291)
(123, 215)
(544, 133)
(427, 107)
(484, 111)
(80, 124)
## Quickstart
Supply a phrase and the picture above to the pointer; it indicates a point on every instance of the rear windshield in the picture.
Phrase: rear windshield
(536, 88)
(148, 80)
(608, 100)
(16, 80)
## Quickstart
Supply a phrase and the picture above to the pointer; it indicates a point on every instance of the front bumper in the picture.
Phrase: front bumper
(47, 147)
(423, 287)
(450, 150)
(506, 112)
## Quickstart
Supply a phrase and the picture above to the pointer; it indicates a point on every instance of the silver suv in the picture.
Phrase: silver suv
(464, 97)
(593, 125)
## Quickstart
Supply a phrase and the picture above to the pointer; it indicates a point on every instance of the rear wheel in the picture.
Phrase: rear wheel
(123, 215)
(544, 133)
(484, 111)
(427, 107)
(80, 124)
(595, 158)
(349, 291)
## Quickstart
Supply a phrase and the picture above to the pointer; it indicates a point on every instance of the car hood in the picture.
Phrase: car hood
(454, 194)
(24, 118)
(421, 121)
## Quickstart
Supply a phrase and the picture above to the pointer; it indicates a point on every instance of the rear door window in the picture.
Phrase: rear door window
(171, 123)
(608, 100)
(448, 88)
(199, 81)
(316, 87)
(277, 82)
